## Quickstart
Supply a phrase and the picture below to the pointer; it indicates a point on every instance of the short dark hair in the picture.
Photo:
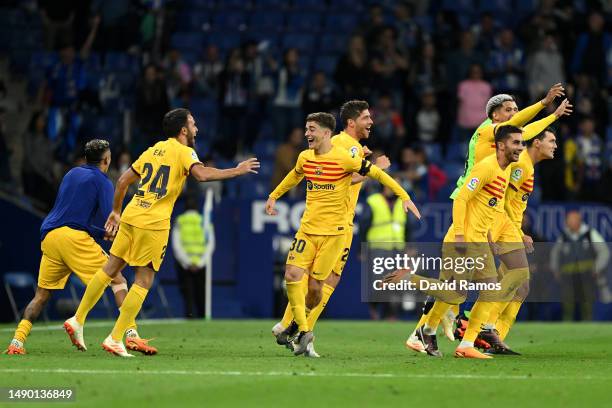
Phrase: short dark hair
(352, 110)
(323, 119)
(94, 151)
(502, 133)
(174, 121)
(540, 136)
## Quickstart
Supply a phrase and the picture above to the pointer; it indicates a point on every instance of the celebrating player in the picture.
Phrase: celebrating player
(142, 230)
(315, 248)
(67, 241)
(357, 122)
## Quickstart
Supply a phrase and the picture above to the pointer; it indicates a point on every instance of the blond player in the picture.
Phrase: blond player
(142, 230)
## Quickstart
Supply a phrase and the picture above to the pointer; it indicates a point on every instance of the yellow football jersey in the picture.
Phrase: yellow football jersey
(345, 141)
(328, 178)
(481, 198)
(520, 188)
(163, 169)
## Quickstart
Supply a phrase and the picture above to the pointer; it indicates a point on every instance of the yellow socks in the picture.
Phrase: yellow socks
(288, 315)
(93, 293)
(129, 310)
(316, 312)
(507, 318)
(298, 304)
(23, 330)
(436, 313)
(478, 316)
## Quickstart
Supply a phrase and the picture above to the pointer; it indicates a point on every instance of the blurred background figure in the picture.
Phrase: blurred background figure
(189, 246)
(579, 260)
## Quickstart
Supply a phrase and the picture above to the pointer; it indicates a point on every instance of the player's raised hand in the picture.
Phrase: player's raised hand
(366, 151)
(555, 91)
(248, 166)
(409, 206)
(528, 241)
(564, 108)
(382, 162)
(395, 276)
(112, 223)
(270, 210)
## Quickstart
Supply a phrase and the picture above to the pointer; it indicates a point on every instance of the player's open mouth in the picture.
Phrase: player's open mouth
(310, 140)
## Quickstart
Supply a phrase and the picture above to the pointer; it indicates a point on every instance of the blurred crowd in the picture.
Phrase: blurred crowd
(427, 69)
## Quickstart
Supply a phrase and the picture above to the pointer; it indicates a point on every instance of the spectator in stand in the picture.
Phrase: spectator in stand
(206, 72)
(428, 118)
(590, 156)
(485, 33)
(320, 95)
(592, 49)
(427, 73)
(459, 62)
(151, 105)
(352, 72)
(544, 67)
(57, 18)
(388, 125)
(179, 77)
(408, 31)
(39, 172)
(234, 89)
(473, 93)
(290, 81)
(389, 66)
(506, 64)
(372, 27)
(286, 156)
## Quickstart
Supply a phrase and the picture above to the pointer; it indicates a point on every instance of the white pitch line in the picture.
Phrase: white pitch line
(297, 374)
(109, 323)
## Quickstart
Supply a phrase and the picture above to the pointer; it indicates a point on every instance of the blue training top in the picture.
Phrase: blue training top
(84, 201)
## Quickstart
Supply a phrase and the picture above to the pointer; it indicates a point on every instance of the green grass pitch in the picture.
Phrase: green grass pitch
(237, 363)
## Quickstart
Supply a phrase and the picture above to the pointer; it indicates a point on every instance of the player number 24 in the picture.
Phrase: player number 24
(159, 185)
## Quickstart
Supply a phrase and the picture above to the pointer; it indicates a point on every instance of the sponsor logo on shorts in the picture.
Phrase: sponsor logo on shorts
(516, 174)
(142, 203)
(493, 202)
(525, 196)
(354, 150)
(316, 186)
(473, 184)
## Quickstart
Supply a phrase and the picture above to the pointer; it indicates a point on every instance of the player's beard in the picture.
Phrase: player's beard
(190, 139)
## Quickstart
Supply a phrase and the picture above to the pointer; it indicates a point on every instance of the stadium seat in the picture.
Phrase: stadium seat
(119, 61)
(233, 5)
(346, 5)
(458, 5)
(456, 152)
(303, 21)
(333, 43)
(43, 59)
(318, 5)
(270, 4)
(194, 21)
(433, 152)
(16, 283)
(187, 41)
(326, 63)
(225, 40)
(264, 149)
(453, 170)
(199, 4)
(205, 112)
(234, 20)
(266, 20)
(340, 22)
(271, 37)
(303, 42)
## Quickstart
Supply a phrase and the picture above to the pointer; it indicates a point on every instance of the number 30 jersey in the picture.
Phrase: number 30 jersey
(163, 169)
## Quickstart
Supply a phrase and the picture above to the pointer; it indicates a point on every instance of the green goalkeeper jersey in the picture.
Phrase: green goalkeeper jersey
(469, 160)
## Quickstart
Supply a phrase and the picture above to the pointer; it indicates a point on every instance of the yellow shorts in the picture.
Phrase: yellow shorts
(478, 254)
(140, 247)
(505, 233)
(66, 250)
(316, 253)
(345, 249)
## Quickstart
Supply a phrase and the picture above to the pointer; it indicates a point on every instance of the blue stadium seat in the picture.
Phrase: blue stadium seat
(425, 23)
(458, 5)
(303, 42)
(453, 170)
(195, 20)
(264, 149)
(187, 41)
(93, 61)
(199, 4)
(340, 22)
(225, 40)
(118, 61)
(270, 4)
(43, 59)
(433, 152)
(318, 5)
(266, 20)
(609, 134)
(229, 20)
(272, 37)
(495, 6)
(15, 283)
(300, 21)
(526, 6)
(233, 4)
(456, 152)
(346, 5)
(326, 63)
(333, 43)
(205, 111)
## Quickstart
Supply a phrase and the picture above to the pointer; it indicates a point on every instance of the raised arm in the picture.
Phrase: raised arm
(203, 173)
(535, 128)
(525, 115)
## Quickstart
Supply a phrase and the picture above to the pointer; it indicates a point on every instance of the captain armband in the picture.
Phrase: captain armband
(365, 167)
